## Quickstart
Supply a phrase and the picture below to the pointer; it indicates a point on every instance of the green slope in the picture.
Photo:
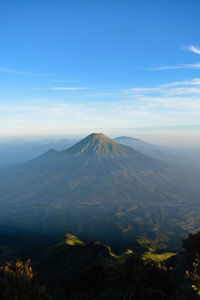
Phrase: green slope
(78, 269)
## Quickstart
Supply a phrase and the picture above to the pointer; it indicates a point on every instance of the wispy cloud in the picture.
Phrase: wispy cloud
(194, 49)
(174, 103)
(191, 48)
(73, 88)
(187, 87)
(195, 81)
(140, 111)
(176, 88)
(64, 88)
(20, 72)
(146, 109)
(176, 67)
(142, 90)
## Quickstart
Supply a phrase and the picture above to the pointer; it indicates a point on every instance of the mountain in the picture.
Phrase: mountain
(152, 150)
(100, 189)
(135, 142)
(187, 158)
(18, 151)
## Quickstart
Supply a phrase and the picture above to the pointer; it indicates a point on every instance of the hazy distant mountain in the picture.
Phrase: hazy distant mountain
(19, 150)
(147, 148)
(184, 157)
(101, 190)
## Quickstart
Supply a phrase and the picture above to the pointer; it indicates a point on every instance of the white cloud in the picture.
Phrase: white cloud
(187, 87)
(176, 67)
(19, 72)
(141, 110)
(195, 81)
(182, 91)
(191, 48)
(74, 88)
(194, 49)
(174, 103)
(142, 90)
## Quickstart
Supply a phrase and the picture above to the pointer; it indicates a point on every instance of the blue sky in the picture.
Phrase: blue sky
(74, 67)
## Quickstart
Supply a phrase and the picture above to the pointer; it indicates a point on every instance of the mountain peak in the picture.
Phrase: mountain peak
(96, 144)
(99, 137)
(121, 138)
(96, 133)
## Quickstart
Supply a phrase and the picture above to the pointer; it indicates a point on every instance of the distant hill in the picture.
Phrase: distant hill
(100, 189)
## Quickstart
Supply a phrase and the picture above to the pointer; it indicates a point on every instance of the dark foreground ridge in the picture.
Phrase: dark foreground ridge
(72, 268)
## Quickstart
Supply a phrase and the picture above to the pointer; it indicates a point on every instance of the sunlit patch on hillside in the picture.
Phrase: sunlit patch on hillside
(72, 240)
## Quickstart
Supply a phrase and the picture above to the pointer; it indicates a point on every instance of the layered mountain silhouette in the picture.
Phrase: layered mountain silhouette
(98, 189)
